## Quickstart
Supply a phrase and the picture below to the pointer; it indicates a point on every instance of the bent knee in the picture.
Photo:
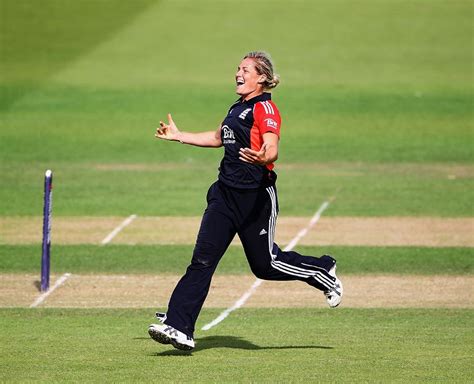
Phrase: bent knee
(205, 255)
(261, 271)
(259, 262)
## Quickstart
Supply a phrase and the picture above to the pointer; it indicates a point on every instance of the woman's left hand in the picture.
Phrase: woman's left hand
(254, 157)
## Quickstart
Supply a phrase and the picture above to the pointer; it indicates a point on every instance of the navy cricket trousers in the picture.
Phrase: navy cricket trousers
(252, 215)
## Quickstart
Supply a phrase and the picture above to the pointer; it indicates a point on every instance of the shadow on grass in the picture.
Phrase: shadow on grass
(37, 285)
(233, 342)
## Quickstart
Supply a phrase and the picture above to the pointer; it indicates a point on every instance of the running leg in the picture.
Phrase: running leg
(268, 261)
(216, 232)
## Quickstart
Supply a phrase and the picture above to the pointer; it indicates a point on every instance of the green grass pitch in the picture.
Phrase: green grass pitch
(376, 99)
(173, 259)
(357, 345)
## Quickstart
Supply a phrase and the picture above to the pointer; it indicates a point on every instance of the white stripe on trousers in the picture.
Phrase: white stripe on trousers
(285, 267)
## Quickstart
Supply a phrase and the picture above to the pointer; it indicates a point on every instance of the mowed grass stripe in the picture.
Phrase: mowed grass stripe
(252, 345)
(363, 189)
(173, 259)
(363, 231)
(24, 34)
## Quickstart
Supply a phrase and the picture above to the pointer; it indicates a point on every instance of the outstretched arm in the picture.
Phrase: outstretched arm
(201, 139)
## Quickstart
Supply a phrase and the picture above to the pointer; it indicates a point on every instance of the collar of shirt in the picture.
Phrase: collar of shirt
(264, 96)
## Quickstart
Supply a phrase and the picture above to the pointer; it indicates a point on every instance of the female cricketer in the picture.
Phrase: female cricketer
(242, 201)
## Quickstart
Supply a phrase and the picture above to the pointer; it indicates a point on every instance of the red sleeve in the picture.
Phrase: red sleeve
(267, 118)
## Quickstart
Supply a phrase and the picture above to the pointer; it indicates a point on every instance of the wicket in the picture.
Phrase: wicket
(47, 209)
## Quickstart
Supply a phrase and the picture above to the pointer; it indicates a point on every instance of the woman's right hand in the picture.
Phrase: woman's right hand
(168, 131)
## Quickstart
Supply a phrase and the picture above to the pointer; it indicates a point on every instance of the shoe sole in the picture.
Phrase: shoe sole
(163, 338)
(158, 336)
(337, 305)
(332, 272)
(341, 290)
(182, 347)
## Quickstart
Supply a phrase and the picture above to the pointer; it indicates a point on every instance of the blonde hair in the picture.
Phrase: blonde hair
(264, 66)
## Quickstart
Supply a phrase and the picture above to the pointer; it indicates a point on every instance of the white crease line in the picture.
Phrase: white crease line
(236, 305)
(115, 232)
(304, 231)
(56, 285)
(241, 301)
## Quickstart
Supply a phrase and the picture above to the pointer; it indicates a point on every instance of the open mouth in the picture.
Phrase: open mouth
(239, 82)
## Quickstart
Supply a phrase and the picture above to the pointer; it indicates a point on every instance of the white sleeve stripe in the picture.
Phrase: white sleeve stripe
(269, 110)
(270, 107)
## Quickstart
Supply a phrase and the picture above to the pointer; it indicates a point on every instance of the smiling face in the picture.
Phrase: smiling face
(249, 82)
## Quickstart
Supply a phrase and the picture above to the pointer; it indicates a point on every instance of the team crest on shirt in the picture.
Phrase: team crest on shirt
(271, 123)
(227, 135)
